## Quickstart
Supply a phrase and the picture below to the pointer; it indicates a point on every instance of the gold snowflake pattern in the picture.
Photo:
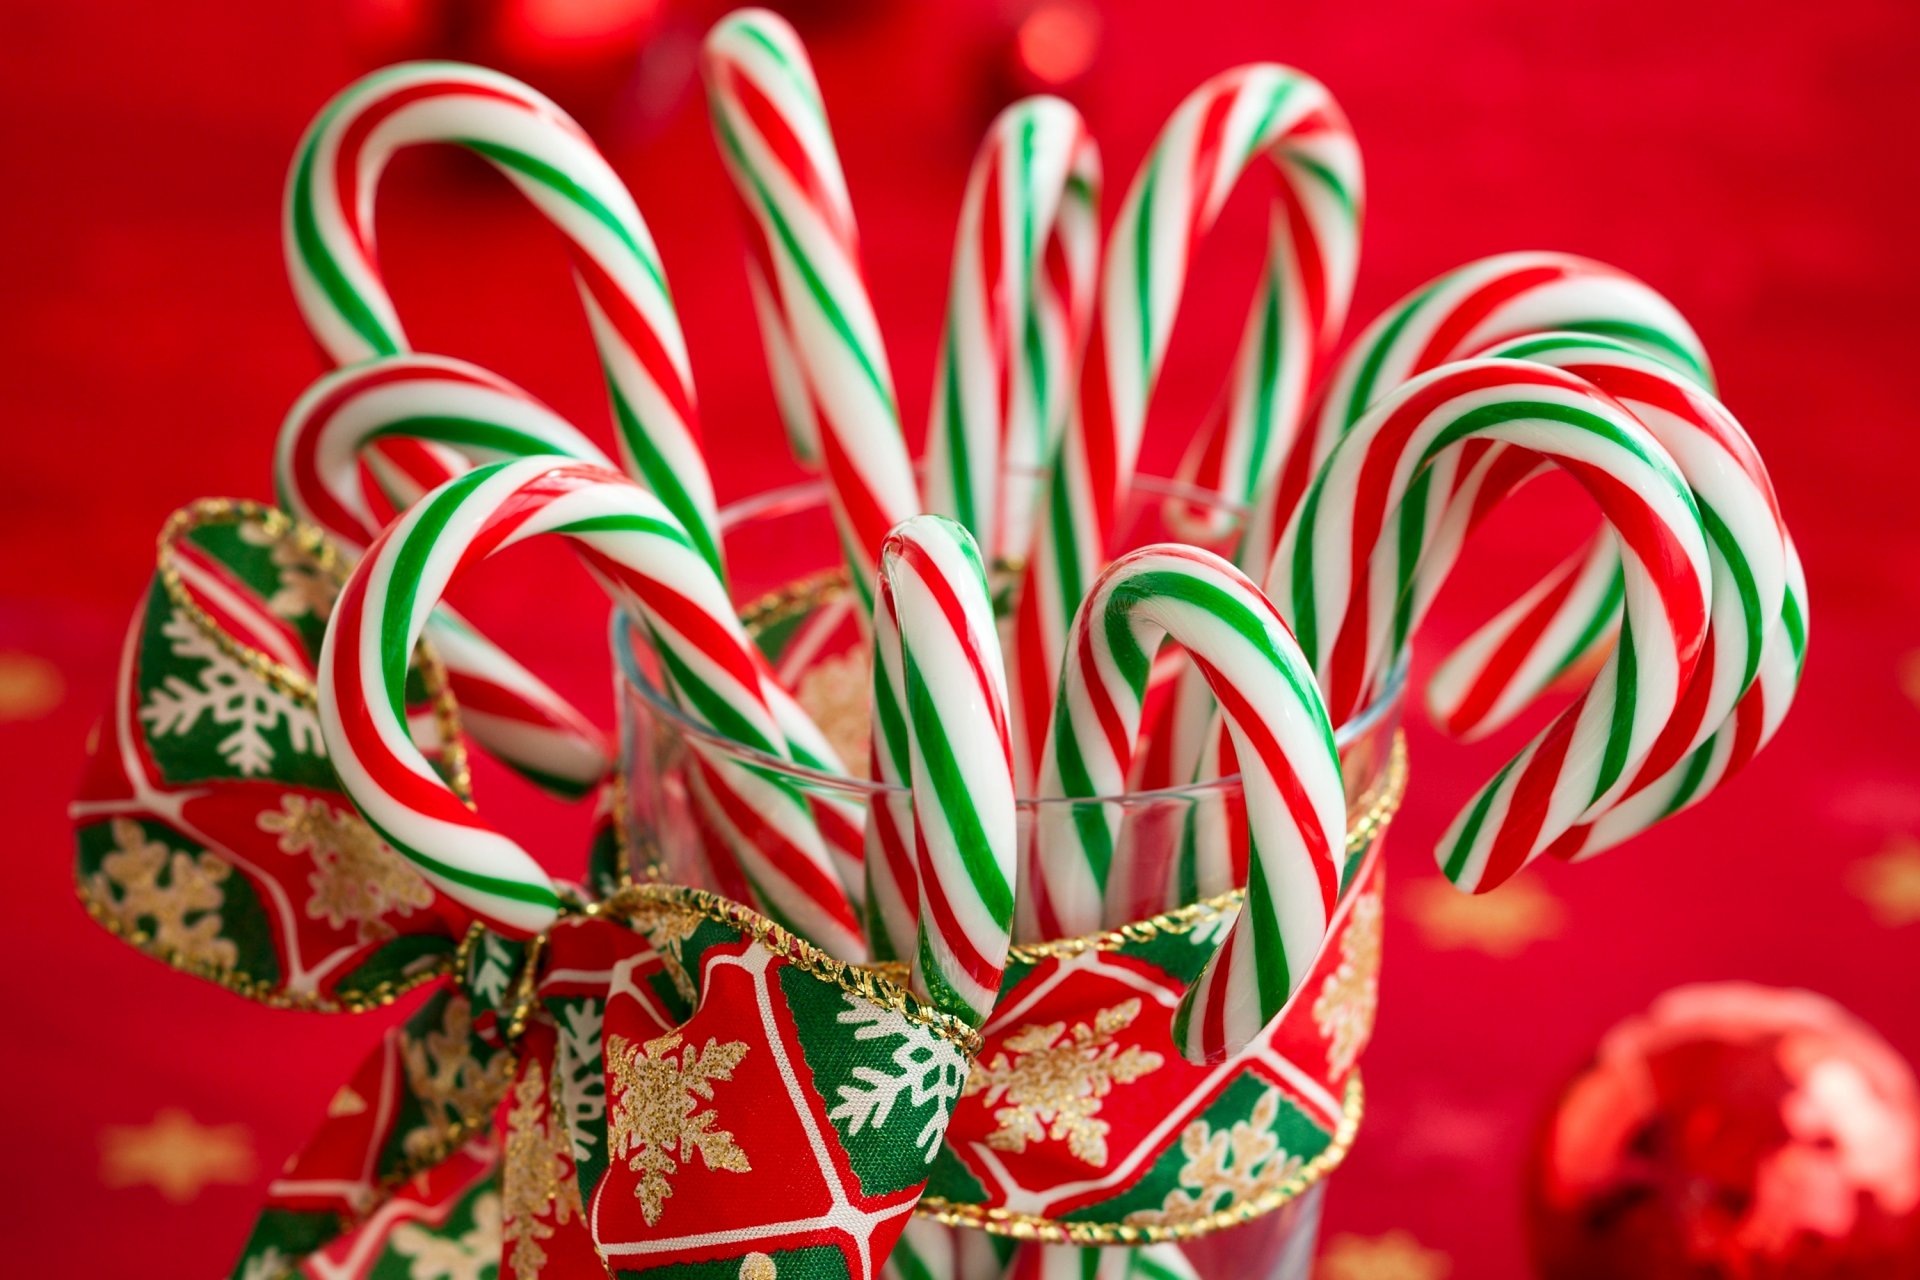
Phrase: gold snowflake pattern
(657, 1121)
(1049, 1082)
(1350, 995)
(1225, 1168)
(357, 879)
(667, 928)
(472, 1255)
(541, 1192)
(456, 1089)
(308, 588)
(835, 692)
(146, 886)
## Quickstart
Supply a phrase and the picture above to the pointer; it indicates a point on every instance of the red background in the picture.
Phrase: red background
(1751, 160)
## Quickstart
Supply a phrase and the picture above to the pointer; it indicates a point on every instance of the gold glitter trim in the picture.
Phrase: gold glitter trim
(1029, 1226)
(1377, 809)
(872, 983)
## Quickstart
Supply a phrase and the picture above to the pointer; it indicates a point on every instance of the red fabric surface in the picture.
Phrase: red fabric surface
(1751, 160)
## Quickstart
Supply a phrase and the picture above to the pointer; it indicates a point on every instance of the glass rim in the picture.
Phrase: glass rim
(805, 494)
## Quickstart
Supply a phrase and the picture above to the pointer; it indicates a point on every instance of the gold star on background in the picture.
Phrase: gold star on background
(1393, 1256)
(1889, 882)
(30, 686)
(176, 1155)
(1502, 923)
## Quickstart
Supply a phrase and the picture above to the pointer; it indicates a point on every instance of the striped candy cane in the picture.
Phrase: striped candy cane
(815, 316)
(950, 693)
(1206, 146)
(328, 232)
(645, 559)
(1745, 535)
(1289, 769)
(478, 417)
(1457, 315)
(1739, 738)
(1017, 311)
(892, 878)
(1343, 561)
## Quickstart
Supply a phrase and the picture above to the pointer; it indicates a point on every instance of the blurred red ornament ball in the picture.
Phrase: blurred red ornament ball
(1732, 1131)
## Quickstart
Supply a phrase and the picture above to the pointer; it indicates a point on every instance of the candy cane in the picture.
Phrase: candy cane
(480, 417)
(1457, 315)
(1035, 1261)
(950, 694)
(1753, 723)
(1289, 770)
(772, 130)
(1017, 309)
(1201, 154)
(1342, 565)
(1746, 538)
(642, 556)
(328, 232)
(892, 878)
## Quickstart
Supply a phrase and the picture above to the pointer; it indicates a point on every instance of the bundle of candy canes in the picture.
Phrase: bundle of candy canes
(1349, 481)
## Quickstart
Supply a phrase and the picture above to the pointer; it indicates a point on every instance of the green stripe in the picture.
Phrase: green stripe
(699, 698)
(1734, 558)
(1362, 394)
(957, 470)
(957, 803)
(800, 82)
(1222, 605)
(1626, 694)
(1258, 138)
(822, 296)
(893, 726)
(628, 522)
(1331, 181)
(320, 263)
(1697, 766)
(1649, 338)
(1410, 527)
(562, 183)
(1271, 325)
(1143, 267)
(1597, 622)
(933, 976)
(1060, 515)
(1089, 823)
(403, 583)
(494, 886)
(660, 477)
(1270, 966)
(1456, 860)
(1486, 417)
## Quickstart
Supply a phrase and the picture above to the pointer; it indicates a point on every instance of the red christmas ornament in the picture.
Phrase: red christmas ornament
(1732, 1131)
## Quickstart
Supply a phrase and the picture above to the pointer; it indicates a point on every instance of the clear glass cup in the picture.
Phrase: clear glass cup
(783, 559)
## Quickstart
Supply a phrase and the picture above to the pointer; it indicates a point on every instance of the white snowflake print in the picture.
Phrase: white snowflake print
(928, 1071)
(474, 1255)
(495, 973)
(229, 695)
(579, 1078)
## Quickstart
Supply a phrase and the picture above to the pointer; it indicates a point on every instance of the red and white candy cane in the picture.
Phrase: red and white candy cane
(329, 235)
(1210, 141)
(949, 691)
(480, 417)
(1457, 315)
(1342, 567)
(1745, 535)
(1740, 737)
(1018, 306)
(1035, 1261)
(1289, 772)
(640, 553)
(816, 318)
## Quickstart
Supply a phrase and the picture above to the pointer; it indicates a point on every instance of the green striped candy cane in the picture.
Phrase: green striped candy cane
(329, 240)
(1289, 773)
(947, 741)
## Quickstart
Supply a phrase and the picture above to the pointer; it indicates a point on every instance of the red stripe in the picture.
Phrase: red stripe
(867, 521)
(1506, 658)
(323, 508)
(955, 615)
(1273, 759)
(1309, 267)
(790, 154)
(1527, 812)
(814, 882)
(933, 898)
(1450, 335)
(639, 335)
(1030, 684)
